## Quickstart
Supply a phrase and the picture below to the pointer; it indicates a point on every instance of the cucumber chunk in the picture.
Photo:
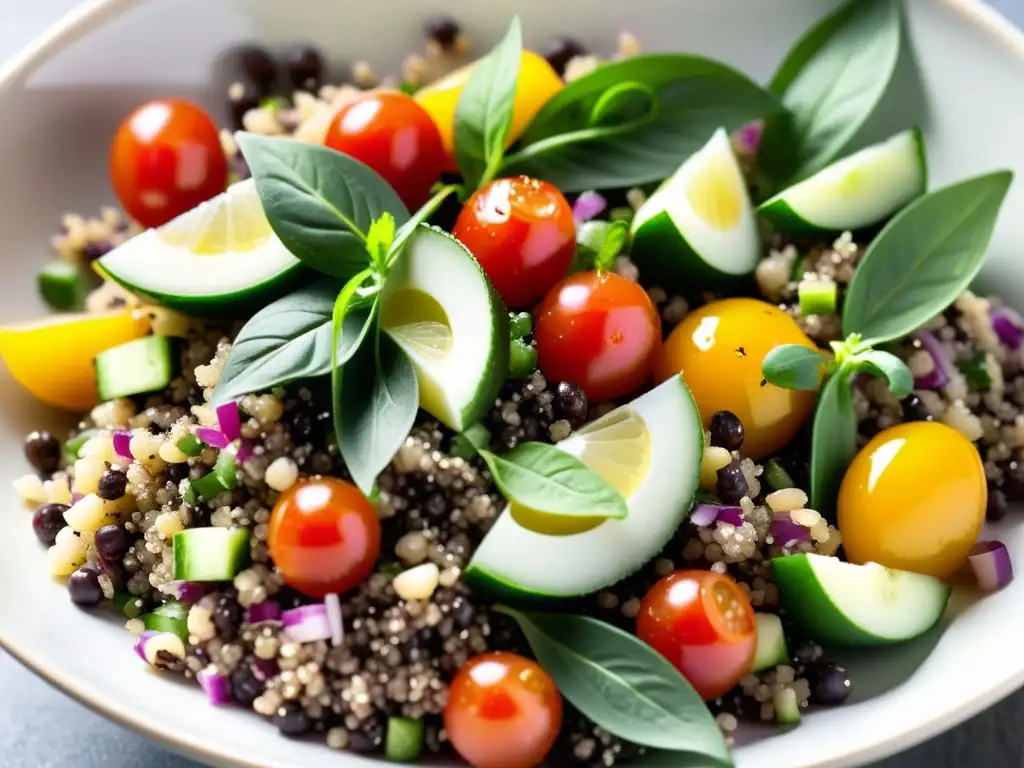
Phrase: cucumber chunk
(169, 617)
(847, 604)
(404, 741)
(210, 554)
(143, 365)
(771, 643)
(787, 708)
(62, 286)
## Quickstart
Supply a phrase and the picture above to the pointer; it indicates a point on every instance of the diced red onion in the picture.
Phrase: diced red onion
(1009, 327)
(76, 497)
(212, 437)
(122, 443)
(229, 420)
(749, 135)
(587, 206)
(243, 450)
(190, 592)
(263, 668)
(786, 532)
(268, 610)
(704, 514)
(990, 561)
(943, 370)
(216, 685)
(731, 516)
(307, 623)
(333, 605)
(140, 643)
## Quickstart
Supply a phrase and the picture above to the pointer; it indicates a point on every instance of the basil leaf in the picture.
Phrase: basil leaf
(923, 259)
(468, 444)
(831, 83)
(615, 240)
(420, 217)
(546, 479)
(673, 103)
(287, 340)
(621, 683)
(321, 203)
(793, 366)
(483, 114)
(379, 397)
(833, 441)
(889, 367)
(380, 238)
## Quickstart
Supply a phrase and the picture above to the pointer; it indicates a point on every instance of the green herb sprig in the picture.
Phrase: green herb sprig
(924, 258)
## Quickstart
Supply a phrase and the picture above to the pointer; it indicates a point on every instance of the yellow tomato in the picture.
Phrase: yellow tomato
(53, 358)
(538, 83)
(718, 349)
(914, 498)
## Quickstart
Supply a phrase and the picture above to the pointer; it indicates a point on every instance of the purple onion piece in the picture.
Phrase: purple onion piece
(216, 685)
(1009, 327)
(268, 610)
(212, 437)
(307, 624)
(140, 643)
(334, 619)
(243, 450)
(731, 516)
(229, 420)
(786, 532)
(749, 135)
(704, 514)
(303, 613)
(944, 369)
(990, 561)
(263, 668)
(122, 443)
(587, 206)
(190, 592)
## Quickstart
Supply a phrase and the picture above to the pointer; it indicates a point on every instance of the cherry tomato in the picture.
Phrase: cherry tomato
(503, 711)
(914, 498)
(522, 232)
(702, 623)
(599, 330)
(719, 349)
(166, 158)
(324, 536)
(395, 136)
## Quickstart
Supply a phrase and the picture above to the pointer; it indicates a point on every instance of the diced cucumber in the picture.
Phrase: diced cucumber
(817, 297)
(847, 604)
(130, 605)
(188, 493)
(855, 192)
(210, 554)
(404, 741)
(143, 365)
(771, 643)
(787, 708)
(169, 617)
(522, 359)
(207, 487)
(226, 470)
(63, 286)
(73, 445)
(190, 445)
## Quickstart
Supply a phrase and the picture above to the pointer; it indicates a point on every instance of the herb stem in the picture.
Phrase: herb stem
(539, 148)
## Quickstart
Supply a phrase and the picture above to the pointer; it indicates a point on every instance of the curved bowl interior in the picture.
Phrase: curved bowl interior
(60, 109)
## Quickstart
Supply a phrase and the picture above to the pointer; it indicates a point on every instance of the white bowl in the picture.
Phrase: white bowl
(61, 100)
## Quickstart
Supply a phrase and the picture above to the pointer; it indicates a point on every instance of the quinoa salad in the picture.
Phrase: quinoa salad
(563, 407)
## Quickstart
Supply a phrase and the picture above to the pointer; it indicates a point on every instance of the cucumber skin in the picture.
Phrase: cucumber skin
(235, 561)
(107, 392)
(778, 653)
(813, 612)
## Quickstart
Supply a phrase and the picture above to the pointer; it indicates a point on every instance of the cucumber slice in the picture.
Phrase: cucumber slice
(143, 365)
(441, 310)
(847, 604)
(210, 554)
(62, 286)
(855, 192)
(771, 643)
(699, 226)
(404, 741)
(170, 617)
(787, 708)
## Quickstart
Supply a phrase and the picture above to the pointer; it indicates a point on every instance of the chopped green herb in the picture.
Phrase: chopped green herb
(776, 476)
(975, 370)
(190, 445)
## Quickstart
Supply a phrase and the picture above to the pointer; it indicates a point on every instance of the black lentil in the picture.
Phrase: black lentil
(570, 403)
(732, 483)
(300, 425)
(258, 67)
(727, 430)
(112, 484)
(830, 684)
(291, 720)
(47, 522)
(444, 31)
(1013, 481)
(561, 51)
(227, 617)
(305, 68)
(43, 452)
(997, 507)
(370, 738)
(84, 585)
(177, 472)
(112, 542)
(93, 251)
(914, 410)
(245, 686)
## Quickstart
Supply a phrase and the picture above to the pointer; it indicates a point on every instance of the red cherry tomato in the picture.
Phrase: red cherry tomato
(324, 536)
(522, 232)
(396, 137)
(166, 158)
(703, 623)
(503, 711)
(599, 330)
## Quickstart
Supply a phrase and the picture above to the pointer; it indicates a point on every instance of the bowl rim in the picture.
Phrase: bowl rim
(92, 14)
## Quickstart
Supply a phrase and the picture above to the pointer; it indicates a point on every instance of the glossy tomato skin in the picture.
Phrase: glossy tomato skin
(702, 623)
(522, 233)
(599, 330)
(396, 137)
(324, 536)
(166, 158)
(503, 711)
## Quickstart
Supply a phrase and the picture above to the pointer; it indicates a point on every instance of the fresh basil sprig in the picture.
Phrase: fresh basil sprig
(622, 684)
(318, 201)
(830, 83)
(634, 121)
(544, 478)
(483, 114)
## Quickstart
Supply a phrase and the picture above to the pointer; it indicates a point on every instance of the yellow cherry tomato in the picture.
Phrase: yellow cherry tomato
(538, 83)
(53, 358)
(719, 349)
(914, 498)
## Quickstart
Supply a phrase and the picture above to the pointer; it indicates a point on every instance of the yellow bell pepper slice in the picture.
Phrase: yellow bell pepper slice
(538, 83)
(53, 358)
